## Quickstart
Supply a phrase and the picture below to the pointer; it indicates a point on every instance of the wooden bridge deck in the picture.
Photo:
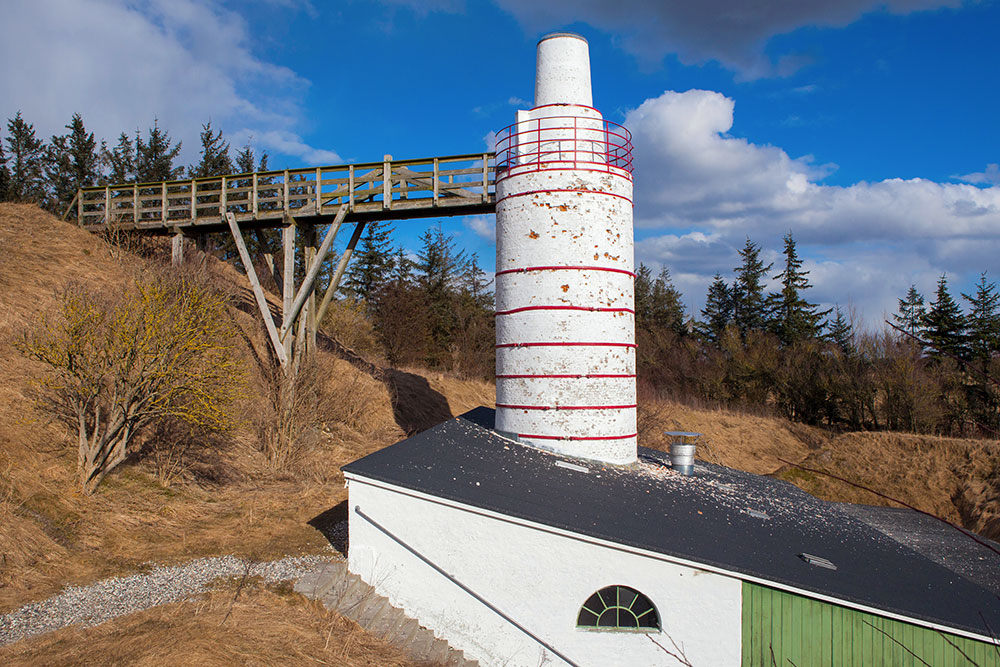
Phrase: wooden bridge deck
(387, 190)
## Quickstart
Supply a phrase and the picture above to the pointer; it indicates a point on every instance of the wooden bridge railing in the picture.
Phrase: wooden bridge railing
(452, 185)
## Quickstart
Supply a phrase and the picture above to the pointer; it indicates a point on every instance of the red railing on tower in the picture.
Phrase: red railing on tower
(563, 142)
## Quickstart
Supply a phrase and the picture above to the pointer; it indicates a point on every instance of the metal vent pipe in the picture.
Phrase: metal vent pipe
(682, 449)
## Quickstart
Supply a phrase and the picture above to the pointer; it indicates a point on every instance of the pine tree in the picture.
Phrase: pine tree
(911, 311)
(666, 306)
(72, 162)
(120, 161)
(26, 160)
(4, 173)
(790, 317)
(944, 324)
(438, 269)
(984, 320)
(245, 160)
(402, 269)
(84, 158)
(749, 308)
(59, 174)
(154, 158)
(475, 285)
(372, 262)
(215, 160)
(643, 291)
(718, 311)
(841, 331)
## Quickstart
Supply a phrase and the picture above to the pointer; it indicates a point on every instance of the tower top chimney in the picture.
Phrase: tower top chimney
(562, 74)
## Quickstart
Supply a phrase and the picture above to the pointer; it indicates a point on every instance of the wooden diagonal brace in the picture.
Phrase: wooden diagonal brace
(258, 292)
(417, 177)
(268, 258)
(341, 266)
(307, 283)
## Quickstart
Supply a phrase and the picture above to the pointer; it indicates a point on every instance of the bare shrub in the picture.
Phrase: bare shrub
(117, 363)
(123, 242)
(173, 446)
(291, 416)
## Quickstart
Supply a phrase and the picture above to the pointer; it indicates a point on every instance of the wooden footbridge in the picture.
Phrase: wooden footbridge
(293, 199)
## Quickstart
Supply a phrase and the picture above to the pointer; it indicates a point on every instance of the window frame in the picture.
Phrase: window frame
(616, 590)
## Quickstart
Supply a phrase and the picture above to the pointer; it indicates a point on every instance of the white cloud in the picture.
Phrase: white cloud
(484, 226)
(990, 175)
(865, 243)
(122, 63)
(289, 143)
(732, 32)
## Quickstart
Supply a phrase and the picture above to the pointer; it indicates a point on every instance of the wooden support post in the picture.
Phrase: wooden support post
(255, 194)
(319, 178)
(310, 307)
(272, 266)
(223, 207)
(387, 182)
(194, 200)
(288, 284)
(258, 292)
(313, 271)
(486, 177)
(163, 203)
(177, 248)
(107, 205)
(437, 177)
(135, 204)
(79, 207)
(350, 186)
(285, 193)
(338, 274)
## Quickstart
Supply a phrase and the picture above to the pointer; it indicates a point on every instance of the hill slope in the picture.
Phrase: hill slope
(229, 502)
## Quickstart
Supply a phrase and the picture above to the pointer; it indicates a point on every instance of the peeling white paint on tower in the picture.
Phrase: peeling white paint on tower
(564, 284)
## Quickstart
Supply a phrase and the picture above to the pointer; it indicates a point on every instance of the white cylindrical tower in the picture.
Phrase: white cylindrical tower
(565, 333)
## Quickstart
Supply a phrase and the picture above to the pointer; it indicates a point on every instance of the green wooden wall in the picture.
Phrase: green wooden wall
(809, 633)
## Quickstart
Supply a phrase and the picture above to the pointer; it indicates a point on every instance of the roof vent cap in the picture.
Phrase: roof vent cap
(682, 448)
(818, 561)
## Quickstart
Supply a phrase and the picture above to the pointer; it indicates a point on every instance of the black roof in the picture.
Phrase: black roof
(897, 561)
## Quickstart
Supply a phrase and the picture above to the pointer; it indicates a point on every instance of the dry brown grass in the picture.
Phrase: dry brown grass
(955, 479)
(227, 501)
(747, 442)
(266, 627)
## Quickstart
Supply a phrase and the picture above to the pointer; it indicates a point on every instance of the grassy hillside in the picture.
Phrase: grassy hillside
(229, 502)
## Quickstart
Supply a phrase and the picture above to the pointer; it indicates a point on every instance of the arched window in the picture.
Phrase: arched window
(618, 608)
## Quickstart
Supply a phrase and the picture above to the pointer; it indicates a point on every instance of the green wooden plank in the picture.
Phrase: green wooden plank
(823, 651)
(766, 625)
(809, 632)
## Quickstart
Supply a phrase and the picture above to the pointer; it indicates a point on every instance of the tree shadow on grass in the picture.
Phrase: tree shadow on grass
(415, 405)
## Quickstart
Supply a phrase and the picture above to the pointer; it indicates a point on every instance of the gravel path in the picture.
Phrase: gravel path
(110, 598)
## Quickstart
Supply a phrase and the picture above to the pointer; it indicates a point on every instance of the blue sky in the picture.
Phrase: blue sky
(866, 128)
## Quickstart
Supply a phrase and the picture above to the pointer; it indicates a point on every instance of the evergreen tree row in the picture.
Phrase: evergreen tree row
(779, 351)
(50, 173)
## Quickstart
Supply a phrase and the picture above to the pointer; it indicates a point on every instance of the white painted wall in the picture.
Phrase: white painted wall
(538, 578)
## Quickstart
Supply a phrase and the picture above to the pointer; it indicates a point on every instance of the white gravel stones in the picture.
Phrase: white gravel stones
(110, 598)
